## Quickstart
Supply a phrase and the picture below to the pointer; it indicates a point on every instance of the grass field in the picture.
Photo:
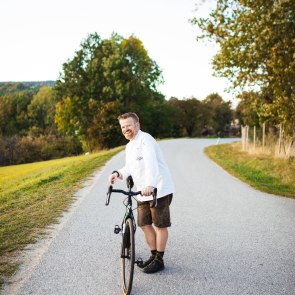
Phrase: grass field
(33, 196)
(263, 172)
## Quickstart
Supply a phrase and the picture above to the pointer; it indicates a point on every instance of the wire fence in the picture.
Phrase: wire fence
(272, 141)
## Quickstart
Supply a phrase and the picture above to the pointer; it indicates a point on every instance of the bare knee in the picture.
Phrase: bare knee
(161, 229)
(147, 228)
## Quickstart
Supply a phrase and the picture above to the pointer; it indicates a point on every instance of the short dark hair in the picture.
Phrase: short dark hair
(129, 115)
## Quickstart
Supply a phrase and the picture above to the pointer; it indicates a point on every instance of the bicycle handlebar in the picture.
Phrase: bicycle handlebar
(129, 193)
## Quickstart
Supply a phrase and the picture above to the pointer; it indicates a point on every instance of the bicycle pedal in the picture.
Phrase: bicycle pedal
(139, 262)
(117, 229)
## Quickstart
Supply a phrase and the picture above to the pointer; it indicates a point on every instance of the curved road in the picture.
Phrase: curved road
(226, 238)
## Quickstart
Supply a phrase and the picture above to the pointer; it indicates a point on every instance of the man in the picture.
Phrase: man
(145, 163)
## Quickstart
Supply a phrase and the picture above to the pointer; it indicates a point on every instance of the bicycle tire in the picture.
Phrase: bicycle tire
(127, 256)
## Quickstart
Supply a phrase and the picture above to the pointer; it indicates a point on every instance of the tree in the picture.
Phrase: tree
(13, 113)
(221, 113)
(256, 40)
(159, 119)
(191, 117)
(103, 74)
(41, 112)
(246, 111)
(109, 134)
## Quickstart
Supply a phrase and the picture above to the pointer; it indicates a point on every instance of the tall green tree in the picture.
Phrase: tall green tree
(221, 113)
(246, 111)
(256, 41)
(41, 112)
(159, 119)
(13, 113)
(191, 116)
(111, 75)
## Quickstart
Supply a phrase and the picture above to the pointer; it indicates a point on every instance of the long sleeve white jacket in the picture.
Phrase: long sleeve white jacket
(145, 163)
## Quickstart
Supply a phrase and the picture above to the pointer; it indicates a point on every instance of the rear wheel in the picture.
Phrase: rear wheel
(127, 256)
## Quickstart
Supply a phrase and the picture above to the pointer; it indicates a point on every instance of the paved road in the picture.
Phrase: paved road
(226, 238)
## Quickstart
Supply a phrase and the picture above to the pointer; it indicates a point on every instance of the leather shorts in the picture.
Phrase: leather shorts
(159, 216)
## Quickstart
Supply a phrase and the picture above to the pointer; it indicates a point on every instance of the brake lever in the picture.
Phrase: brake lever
(155, 202)
(109, 192)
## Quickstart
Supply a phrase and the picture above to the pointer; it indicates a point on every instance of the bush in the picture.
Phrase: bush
(19, 150)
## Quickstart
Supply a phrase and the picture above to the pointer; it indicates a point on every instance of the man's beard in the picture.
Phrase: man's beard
(129, 134)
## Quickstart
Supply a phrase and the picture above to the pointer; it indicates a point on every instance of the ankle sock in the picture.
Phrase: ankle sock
(154, 252)
(160, 254)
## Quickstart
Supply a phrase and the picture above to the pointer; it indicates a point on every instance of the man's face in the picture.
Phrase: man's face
(129, 128)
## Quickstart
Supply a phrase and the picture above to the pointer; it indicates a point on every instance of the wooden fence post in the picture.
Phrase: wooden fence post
(263, 136)
(254, 137)
(242, 136)
(247, 136)
(243, 133)
(281, 139)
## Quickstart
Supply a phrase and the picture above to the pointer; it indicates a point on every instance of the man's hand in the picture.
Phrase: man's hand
(113, 177)
(147, 191)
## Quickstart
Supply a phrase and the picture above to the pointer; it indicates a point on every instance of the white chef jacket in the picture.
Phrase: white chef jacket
(145, 163)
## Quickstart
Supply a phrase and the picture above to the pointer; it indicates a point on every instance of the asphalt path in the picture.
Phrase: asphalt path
(226, 238)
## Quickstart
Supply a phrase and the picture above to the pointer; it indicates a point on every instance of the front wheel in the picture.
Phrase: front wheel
(127, 256)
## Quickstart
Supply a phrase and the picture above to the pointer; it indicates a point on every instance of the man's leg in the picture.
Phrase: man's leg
(156, 262)
(155, 237)
(161, 238)
(150, 236)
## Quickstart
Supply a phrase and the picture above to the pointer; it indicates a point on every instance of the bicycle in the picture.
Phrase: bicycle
(127, 230)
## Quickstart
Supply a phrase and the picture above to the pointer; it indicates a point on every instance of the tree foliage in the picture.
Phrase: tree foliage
(111, 75)
(30, 135)
(41, 112)
(13, 113)
(256, 41)
(246, 110)
(212, 116)
(26, 111)
(27, 128)
(220, 113)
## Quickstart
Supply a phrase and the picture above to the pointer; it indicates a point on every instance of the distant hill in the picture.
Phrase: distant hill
(12, 87)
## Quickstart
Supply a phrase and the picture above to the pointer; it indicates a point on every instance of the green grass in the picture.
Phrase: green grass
(33, 196)
(263, 172)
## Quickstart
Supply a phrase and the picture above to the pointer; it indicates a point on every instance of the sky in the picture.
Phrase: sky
(37, 37)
